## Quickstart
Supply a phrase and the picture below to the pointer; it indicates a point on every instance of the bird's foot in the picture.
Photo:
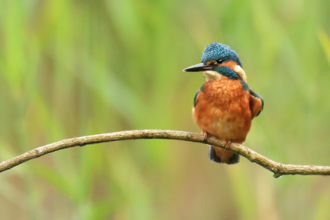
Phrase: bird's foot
(227, 146)
(206, 136)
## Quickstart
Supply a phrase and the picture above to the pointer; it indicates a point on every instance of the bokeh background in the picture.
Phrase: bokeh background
(72, 68)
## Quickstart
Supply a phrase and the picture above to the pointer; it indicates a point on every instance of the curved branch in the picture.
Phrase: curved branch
(277, 168)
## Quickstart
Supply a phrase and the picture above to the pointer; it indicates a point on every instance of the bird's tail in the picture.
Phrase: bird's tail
(219, 155)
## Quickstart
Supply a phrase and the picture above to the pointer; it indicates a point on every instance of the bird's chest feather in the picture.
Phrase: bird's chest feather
(223, 110)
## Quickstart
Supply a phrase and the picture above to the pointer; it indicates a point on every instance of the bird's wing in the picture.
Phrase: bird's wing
(256, 103)
(196, 95)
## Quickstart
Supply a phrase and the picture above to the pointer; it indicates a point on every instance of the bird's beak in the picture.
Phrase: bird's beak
(198, 67)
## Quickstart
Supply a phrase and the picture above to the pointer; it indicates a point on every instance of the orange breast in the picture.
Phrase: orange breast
(223, 110)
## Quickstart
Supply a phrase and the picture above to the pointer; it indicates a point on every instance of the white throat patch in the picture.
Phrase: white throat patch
(211, 74)
(214, 75)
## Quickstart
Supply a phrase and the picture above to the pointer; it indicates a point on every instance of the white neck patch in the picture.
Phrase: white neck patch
(240, 72)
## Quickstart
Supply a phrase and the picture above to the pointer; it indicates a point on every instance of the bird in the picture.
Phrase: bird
(225, 105)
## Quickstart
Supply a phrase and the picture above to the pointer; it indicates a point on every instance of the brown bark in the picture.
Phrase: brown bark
(277, 168)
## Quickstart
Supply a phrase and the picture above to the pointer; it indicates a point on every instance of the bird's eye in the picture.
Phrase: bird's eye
(219, 61)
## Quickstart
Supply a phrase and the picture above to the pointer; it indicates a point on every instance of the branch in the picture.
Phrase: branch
(277, 168)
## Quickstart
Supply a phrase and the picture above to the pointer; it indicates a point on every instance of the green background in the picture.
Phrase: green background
(72, 68)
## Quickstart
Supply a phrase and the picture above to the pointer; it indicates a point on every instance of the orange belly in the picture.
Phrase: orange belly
(223, 110)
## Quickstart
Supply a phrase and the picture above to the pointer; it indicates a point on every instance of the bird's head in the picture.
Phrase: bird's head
(219, 60)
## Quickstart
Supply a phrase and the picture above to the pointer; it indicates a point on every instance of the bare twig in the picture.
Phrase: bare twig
(277, 168)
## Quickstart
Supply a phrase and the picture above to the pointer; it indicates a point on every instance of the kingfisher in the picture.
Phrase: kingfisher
(225, 105)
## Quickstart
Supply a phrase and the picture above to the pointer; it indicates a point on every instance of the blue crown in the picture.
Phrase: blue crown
(216, 51)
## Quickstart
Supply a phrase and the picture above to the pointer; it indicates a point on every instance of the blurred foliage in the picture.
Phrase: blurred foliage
(72, 68)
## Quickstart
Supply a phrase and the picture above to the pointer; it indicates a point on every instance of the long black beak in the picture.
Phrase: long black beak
(198, 67)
